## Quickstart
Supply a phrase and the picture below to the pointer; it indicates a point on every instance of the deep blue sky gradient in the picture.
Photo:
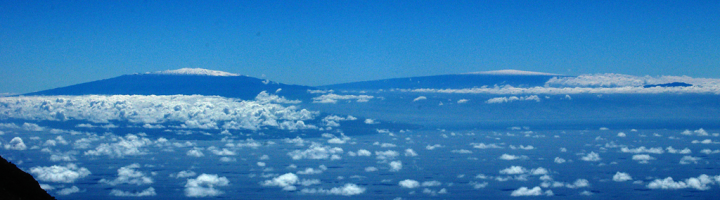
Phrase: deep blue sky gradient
(48, 44)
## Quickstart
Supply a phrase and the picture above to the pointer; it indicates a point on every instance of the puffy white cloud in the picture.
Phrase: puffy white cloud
(699, 132)
(82, 143)
(129, 175)
(60, 174)
(348, 189)
(32, 127)
(195, 153)
(192, 111)
(370, 121)
(579, 183)
(204, 185)
(512, 157)
(699, 183)
(431, 147)
(539, 171)
(68, 191)
(514, 170)
(462, 101)
(265, 98)
(643, 158)
(478, 185)
(130, 145)
(310, 170)
(387, 145)
(642, 149)
(419, 98)
(672, 150)
(183, 174)
(536, 191)
(621, 134)
(332, 120)
(333, 98)
(385, 155)
(409, 183)
(410, 153)
(689, 159)
(591, 157)
(431, 183)
(297, 141)
(395, 166)
(285, 181)
(461, 151)
(145, 193)
(620, 177)
(371, 169)
(316, 151)
(513, 98)
(16, 144)
(559, 160)
(708, 151)
(47, 187)
(221, 152)
(485, 146)
(363, 152)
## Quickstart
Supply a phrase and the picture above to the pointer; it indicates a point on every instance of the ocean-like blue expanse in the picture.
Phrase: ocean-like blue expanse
(486, 135)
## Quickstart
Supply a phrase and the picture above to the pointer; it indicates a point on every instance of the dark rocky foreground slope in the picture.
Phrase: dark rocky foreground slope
(17, 184)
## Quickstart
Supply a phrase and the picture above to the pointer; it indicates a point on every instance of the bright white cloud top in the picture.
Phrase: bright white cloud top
(194, 71)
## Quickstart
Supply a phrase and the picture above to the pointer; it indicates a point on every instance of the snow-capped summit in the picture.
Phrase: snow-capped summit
(194, 71)
(512, 72)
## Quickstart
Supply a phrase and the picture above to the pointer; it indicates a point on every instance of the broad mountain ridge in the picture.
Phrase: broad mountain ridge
(515, 78)
(197, 81)
(184, 81)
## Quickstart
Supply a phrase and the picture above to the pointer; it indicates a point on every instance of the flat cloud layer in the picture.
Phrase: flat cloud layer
(597, 84)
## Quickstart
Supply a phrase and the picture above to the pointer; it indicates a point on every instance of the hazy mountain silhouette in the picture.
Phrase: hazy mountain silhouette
(235, 86)
(514, 78)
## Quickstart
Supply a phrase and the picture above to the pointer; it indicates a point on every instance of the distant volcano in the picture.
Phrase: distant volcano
(184, 81)
(514, 78)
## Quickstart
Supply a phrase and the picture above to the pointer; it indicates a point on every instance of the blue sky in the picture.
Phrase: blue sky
(48, 44)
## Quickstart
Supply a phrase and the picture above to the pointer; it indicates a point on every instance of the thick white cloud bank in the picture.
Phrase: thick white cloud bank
(60, 174)
(204, 185)
(333, 98)
(189, 111)
(701, 182)
(596, 84)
